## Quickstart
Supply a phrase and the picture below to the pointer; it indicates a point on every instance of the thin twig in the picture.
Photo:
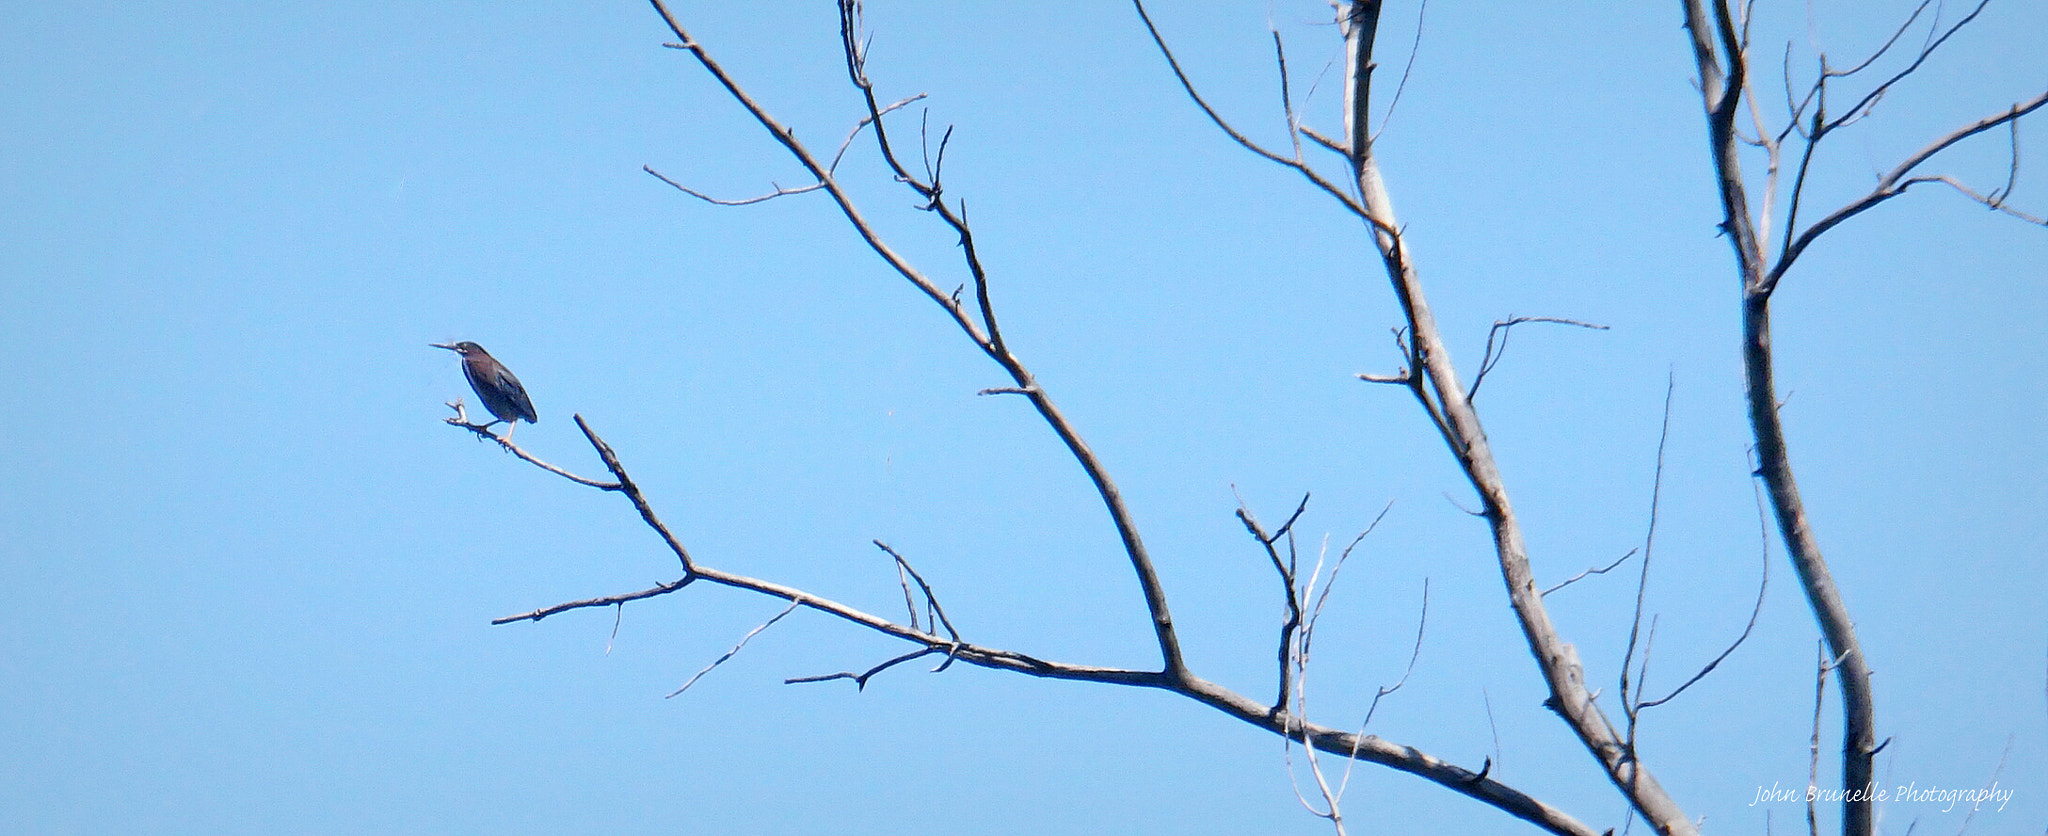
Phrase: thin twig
(461, 419)
(1592, 570)
(984, 333)
(1188, 86)
(1286, 95)
(1414, 49)
(1869, 100)
(1649, 543)
(860, 680)
(779, 190)
(1895, 183)
(1502, 328)
(1755, 611)
(930, 600)
(735, 649)
(744, 201)
(1421, 623)
(1879, 53)
(988, 336)
(606, 601)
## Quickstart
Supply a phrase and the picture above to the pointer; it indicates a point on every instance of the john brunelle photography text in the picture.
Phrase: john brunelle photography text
(1908, 793)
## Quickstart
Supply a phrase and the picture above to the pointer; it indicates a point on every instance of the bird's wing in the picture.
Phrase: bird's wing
(510, 385)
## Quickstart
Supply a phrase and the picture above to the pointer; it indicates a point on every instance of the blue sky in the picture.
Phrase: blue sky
(253, 572)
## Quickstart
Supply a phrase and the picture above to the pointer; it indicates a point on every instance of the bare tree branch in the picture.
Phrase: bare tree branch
(1347, 744)
(1628, 703)
(1723, 65)
(991, 343)
(735, 649)
(860, 680)
(1501, 329)
(779, 190)
(1434, 383)
(980, 327)
(1762, 585)
(1295, 162)
(1887, 46)
(461, 419)
(1896, 181)
(1591, 570)
(1869, 101)
(1289, 590)
(1415, 652)
(606, 601)
(930, 600)
(1414, 49)
(984, 333)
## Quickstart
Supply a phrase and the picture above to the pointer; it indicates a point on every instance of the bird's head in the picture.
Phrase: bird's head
(464, 348)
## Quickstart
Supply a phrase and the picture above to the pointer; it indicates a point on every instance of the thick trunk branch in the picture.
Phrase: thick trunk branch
(1462, 431)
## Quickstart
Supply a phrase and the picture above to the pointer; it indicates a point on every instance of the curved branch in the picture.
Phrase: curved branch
(983, 333)
(1362, 747)
(606, 601)
(1720, 99)
(1434, 379)
(1296, 162)
(1896, 181)
(461, 419)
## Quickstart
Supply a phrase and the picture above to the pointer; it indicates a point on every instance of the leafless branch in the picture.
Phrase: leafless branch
(1869, 100)
(930, 600)
(1286, 95)
(1649, 543)
(860, 680)
(1287, 725)
(1291, 593)
(743, 201)
(461, 419)
(1991, 201)
(779, 190)
(606, 601)
(1295, 162)
(735, 649)
(632, 492)
(981, 329)
(2012, 174)
(1895, 183)
(1755, 611)
(1433, 381)
(1324, 140)
(1415, 652)
(1591, 570)
(988, 335)
(1887, 46)
(1501, 329)
(1414, 49)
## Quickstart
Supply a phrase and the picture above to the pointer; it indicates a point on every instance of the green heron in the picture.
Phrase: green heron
(495, 384)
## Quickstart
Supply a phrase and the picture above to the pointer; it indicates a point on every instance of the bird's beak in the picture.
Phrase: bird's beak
(439, 345)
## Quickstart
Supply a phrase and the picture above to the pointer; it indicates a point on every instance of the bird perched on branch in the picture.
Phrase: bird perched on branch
(495, 384)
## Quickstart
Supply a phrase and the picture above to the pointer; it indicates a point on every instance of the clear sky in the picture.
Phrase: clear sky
(251, 571)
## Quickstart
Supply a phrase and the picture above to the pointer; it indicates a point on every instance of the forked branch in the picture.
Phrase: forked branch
(978, 323)
(1721, 57)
